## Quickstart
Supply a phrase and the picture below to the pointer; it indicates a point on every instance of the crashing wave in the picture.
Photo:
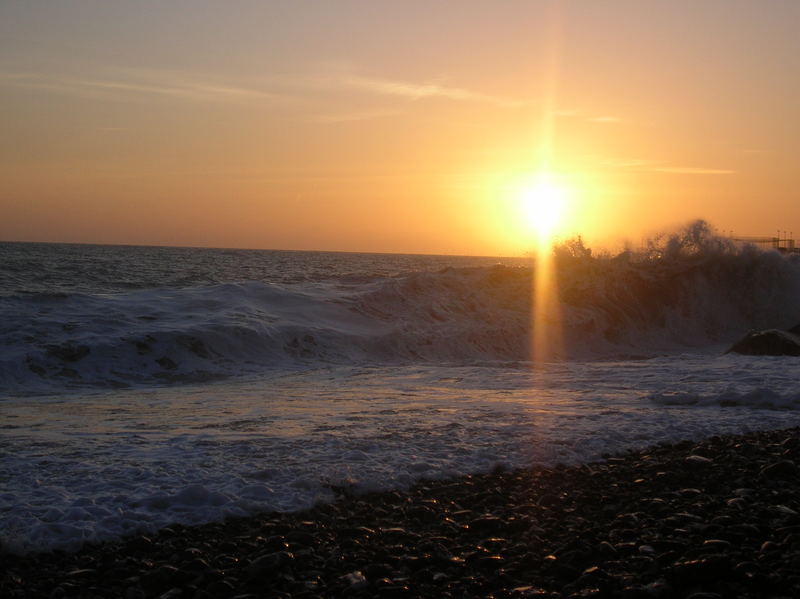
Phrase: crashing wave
(690, 289)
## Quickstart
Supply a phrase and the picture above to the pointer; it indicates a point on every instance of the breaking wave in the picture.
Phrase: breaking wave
(686, 290)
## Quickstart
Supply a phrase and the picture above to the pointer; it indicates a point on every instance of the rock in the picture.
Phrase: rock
(548, 500)
(487, 524)
(140, 543)
(779, 470)
(81, 573)
(164, 576)
(269, 564)
(607, 548)
(378, 570)
(697, 460)
(197, 565)
(356, 580)
(593, 574)
(783, 510)
(298, 537)
(769, 342)
(688, 573)
(717, 545)
(134, 593)
(489, 562)
(220, 588)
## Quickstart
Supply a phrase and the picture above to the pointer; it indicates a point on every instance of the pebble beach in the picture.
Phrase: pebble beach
(717, 518)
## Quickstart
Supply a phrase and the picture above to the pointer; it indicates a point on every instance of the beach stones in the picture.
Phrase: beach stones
(719, 518)
(779, 470)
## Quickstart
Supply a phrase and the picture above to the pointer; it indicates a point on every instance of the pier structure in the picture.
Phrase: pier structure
(783, 242)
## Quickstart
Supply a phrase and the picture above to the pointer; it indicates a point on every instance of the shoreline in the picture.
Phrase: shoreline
(719, 516)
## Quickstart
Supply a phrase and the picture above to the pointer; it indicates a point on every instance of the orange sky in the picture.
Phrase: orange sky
(393, 126)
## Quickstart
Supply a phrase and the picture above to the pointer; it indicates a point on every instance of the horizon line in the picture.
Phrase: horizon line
(254, 249)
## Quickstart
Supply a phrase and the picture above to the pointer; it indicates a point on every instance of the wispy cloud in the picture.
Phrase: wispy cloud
(367, 115)
(631, 164)
(152, 84)
(418, 91)
(604, 119)
(654, 166)
(690, 170)
(128, 85)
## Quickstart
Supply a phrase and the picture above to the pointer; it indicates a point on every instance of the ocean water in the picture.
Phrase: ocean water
(146, 386)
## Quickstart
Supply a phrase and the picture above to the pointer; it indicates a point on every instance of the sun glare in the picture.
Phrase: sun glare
(543, 203)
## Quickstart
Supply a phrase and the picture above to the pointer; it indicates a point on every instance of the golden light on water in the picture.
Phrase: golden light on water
(547, 340)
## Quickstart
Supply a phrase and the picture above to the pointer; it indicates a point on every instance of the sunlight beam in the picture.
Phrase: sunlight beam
(545, 199)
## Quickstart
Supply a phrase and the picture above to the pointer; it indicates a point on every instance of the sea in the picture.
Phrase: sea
(146, 386)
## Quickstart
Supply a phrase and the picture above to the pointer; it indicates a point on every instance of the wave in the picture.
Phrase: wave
(687, 289)
(690, 289)
(762, 398)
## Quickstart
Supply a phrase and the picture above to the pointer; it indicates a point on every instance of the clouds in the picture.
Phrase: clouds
(349, 117)
(419, 91)
(156, 84)
(654, 166)
(136, 84)
(691, 170)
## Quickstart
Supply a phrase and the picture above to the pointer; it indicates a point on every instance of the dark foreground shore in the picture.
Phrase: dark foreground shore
(717, 518)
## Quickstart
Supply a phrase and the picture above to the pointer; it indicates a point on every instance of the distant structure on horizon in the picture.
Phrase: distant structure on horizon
(783, 242)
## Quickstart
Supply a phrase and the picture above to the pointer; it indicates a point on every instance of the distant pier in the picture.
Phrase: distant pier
(784, 244)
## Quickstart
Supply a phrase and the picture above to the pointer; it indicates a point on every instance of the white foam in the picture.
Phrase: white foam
(96, 466)
(690, 291)
(763, 398)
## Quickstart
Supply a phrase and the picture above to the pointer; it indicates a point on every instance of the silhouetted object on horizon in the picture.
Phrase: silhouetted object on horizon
(782, 243)
(769, 342)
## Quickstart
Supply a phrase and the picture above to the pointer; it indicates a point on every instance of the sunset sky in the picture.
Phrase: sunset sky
(394, 126)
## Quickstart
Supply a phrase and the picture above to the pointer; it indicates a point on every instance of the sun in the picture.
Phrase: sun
(543, 202)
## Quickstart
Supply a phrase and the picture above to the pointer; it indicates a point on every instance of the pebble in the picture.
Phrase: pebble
(355, 579)
(779, 470)
(697, 460)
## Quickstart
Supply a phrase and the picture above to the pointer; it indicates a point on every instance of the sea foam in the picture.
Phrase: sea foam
(688, 290)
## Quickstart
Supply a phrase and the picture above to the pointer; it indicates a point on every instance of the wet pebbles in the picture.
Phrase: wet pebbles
(719, 518)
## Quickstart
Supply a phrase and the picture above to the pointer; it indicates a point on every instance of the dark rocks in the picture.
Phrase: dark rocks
(697, 461)
(719, 518)
(487, 525)
(269, 564)
(769, 342)
(302, 538)
(140, 543)
(688, 573)
(779, 470)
